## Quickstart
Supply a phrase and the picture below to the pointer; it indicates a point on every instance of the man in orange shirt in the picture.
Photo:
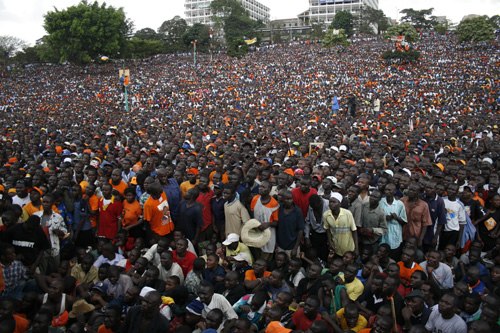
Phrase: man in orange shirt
(132, 212)
(112, 323)
(117, 182)
(254, 277)
(157, 214)
(407, 266)
(93, 202)
(192, 174)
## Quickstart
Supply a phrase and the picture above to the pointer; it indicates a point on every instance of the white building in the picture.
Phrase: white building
(323, 11)
(198, 11)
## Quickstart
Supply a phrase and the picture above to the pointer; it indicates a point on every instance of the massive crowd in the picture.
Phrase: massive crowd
(297, 189)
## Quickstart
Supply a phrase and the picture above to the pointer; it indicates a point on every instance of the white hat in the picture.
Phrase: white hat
(67, 160)
(407, 171)
(487, 160)
(231, 238)
(324, 164)
(242, 256)
(145, 291)
(337, 196)
(332, 179)
(252, 236)
(389, 172)
(343, 148)
(334, 148)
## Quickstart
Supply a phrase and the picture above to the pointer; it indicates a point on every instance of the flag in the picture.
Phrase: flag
(335, 104)
(251, 41)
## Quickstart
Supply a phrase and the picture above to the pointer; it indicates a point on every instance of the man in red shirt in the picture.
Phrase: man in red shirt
(204, 198)
(182, 256)
(302, 194)
(305, 316)
(110, 209)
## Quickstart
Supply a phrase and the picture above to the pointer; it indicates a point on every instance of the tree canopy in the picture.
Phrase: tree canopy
(420, 19)
(343, 20)
(83, 32)
(236, 24)
(403, 29)
(335, 37)
(9, 45)
(172, 32)
(372, 18)
(477, 29)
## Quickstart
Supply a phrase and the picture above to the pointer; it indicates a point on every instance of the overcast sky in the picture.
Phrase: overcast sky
(24, 18)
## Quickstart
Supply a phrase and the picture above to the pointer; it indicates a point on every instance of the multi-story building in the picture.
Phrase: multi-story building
(323, 11)
(198, 11)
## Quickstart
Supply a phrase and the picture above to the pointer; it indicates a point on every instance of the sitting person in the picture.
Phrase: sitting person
(350, 319)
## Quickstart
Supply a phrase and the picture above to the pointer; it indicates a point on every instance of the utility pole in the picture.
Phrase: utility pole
(194, 51)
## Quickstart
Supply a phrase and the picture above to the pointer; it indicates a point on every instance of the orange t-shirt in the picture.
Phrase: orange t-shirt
(225, 177)
(22, 324)
(104, 329)
(120, 187)
(94, 206)
(250, 275)
(405, 273)
(131, 213)
(271, 204)
(157, 214)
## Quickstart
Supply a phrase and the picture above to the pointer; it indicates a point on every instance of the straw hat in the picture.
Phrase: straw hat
(252, 236)
(80, 307)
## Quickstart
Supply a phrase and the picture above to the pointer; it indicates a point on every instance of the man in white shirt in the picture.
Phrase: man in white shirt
(455, 219)
(441, 274)
(21, 198)
(443, 318)
(212, 300)
(168, 267)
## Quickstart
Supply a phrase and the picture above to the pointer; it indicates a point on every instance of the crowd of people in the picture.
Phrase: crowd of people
(297, 189)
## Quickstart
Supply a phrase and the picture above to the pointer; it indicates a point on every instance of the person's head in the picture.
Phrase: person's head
(281, 260)
(390, 285)
(258, 300)
(108, 250)
(415, 301)
(47, 202)
(276, 278)
(417, 278)
(479, 326)
(42, 321)
(305, 184)
(314, 271)
(150, 304)
(172, 282)
(433, 258)
(472, 302)
(106, 190)
(284, 299)
(212, 261)
(6, 309)
(393, 270)
(334, 204)
(311, 307)
(408, 256)
(413, 191)
(350, 273)
(375, 197)
(259, 267)
(7, 254)
(214, 318)
(112, 316)
(450, 250)
(349, 257)
(319, 326)
(473, 274)
(152, 274)
(21, 189)
(181, 246)
(384, 324)
(383, 251)
(448, 305)
(199, 265)
(490, 314)
(231, 280)
(229, 192)
(336, 266)
(351, 314)
(206, 292)
(242, 325)
(55, 289)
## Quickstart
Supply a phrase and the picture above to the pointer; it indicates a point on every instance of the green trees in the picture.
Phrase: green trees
(171, 32)
(200, 33)
(420, 19)
(477, 29)
(81, 33)
(403, 29)
(236, 24)
(372, 18)
(343, 20)
(334, 37)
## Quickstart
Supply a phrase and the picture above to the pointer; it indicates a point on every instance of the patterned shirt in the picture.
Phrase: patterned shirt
(12, 274)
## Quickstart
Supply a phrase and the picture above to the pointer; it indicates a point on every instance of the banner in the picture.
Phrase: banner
(251, 41)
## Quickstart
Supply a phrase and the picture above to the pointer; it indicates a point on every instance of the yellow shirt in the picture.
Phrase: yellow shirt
(340, 231)
(362, 322)
(242, 248)
(354, 289)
